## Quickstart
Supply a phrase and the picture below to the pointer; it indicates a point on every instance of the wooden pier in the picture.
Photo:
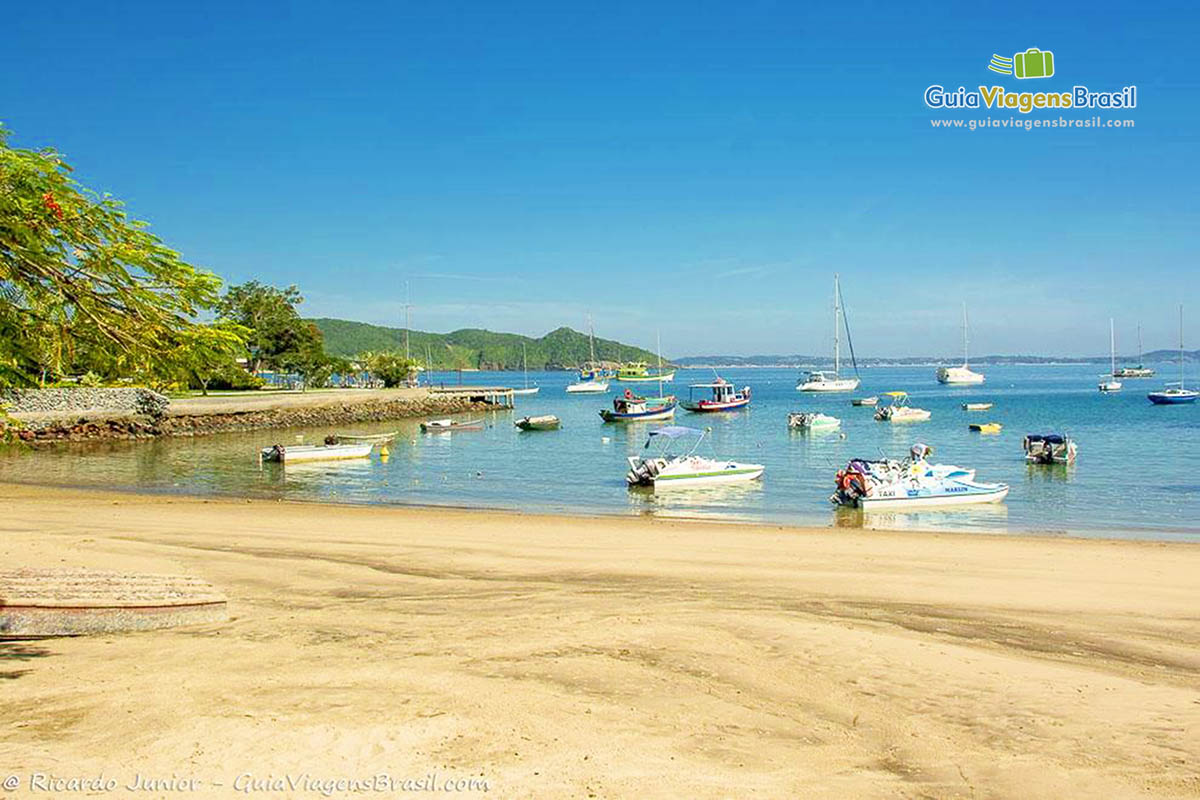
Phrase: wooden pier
(495, 395)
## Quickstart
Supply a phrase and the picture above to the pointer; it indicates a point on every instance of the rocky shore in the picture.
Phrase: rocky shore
(219, 414)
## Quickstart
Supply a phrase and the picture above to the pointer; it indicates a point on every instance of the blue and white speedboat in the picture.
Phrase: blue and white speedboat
(911, 483)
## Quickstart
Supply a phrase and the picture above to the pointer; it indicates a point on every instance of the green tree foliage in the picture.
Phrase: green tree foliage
(560, 349)
(390, 367)
(279, 338)
(82, 283)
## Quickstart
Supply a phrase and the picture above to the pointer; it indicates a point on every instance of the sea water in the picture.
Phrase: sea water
(1137, 475)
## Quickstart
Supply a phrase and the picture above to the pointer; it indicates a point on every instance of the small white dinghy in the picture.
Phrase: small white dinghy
(668, 471)
(812, 421)
(298, 453)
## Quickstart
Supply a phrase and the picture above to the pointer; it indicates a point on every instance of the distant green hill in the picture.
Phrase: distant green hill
(473, 348)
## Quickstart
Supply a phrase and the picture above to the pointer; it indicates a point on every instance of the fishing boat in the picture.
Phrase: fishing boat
(664, 469)
(1140, 371)
(910, 483)
(639, 372)
(1109, 383)
(1049, 448)
(632, 408)
(898, 410)
(818, 381)
(591, 379)
(985, 427)
(528, 390)
(451, 425)
(723, 397)
(976, 406)
(373, 438)
(314, 452)
(1175, 393)
(812, 421)
(964, 375)
(864, 401)
(545, 422)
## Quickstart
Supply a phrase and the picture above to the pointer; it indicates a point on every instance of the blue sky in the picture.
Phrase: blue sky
(696, 168)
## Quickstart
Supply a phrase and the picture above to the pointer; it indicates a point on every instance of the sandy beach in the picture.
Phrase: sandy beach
(608, 657)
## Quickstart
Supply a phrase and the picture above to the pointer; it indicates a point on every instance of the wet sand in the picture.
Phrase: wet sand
(560, 657)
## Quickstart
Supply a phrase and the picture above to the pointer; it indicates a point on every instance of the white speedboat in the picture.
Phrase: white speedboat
(1049, 448)
(964, 375)
(900, 411)
(314, 452)
(812, 421)
(818, 381)
(911, 483)
(665, 470)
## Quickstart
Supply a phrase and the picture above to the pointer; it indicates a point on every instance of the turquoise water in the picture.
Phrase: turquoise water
(1138, 473)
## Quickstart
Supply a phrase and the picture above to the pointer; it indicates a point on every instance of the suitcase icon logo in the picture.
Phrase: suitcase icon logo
(1033, 63)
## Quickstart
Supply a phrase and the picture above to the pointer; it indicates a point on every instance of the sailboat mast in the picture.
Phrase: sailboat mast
(1181, 345)
(592, 340)
(1112, 348)
(525, 364)
(658, 345)
(1139, 345)
(837, 310)
(966, 361)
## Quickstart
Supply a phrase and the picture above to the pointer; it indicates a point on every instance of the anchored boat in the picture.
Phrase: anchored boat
(817, 381)
(1140, 371)
(1175, 393)
(632, 408)
(964, 375)
(910, 483)
(976, 406)
(864, 401)
(723, 397)
(450, 425)
(812, 421)
(545, 422)
(1109, 383)
(639, 372)
(986, 427)
(314, 452)
(373, 438)
(664, 469)
(1049, 448)
(898, 410)
(525, 364)
(592, 379)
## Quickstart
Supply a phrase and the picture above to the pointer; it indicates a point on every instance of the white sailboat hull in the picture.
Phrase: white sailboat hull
(892, 497)
(837, 385)
(958, 376)
(530, 390)
(588, 387)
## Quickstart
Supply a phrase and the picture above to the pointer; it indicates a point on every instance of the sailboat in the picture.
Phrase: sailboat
(1110, 382)
(1175, 393)
(963, 375)
(525, 363)
(817, 381)
(590, 382)
(1140, 371)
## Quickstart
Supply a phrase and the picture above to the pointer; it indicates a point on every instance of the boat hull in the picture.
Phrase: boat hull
(735, 473)
(543, 423)
(1171, 399)
(840, 385)
(658, 412)
(589, 387)
(303, 453)
(958, 376)
(471, 425)
(666, 376)
(705, 406)
(524, 392)
(961, 495)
